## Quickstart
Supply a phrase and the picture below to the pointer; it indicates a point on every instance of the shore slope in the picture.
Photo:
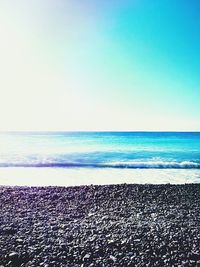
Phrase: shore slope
(100, 226)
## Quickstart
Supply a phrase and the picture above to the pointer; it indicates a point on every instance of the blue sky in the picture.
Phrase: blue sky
(100, 65)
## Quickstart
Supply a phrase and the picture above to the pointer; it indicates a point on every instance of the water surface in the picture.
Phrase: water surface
(71, 158)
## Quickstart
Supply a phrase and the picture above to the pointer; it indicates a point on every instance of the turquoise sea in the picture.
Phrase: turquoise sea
(74, 158)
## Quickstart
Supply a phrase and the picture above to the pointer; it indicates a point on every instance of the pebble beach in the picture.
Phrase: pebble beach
(100, 226)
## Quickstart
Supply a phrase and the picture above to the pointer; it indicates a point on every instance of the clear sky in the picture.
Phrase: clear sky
(100, 65)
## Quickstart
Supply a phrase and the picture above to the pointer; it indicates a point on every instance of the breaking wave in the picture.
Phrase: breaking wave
(122, 165)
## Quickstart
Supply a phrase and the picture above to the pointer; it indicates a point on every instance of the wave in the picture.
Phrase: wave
(121, 165)
(157, 165)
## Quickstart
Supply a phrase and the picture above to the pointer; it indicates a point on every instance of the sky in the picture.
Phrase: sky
(117, 65)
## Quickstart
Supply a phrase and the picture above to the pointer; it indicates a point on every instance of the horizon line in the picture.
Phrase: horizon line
(96, 131)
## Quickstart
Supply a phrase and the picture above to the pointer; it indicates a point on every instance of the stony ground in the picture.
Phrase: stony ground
(100, 226)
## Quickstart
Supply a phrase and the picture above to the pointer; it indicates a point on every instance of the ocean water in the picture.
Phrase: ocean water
(75, 158)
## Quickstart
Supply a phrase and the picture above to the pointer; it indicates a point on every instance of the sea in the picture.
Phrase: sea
(84, 158)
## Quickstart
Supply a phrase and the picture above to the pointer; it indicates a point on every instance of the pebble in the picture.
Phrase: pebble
(100, 226)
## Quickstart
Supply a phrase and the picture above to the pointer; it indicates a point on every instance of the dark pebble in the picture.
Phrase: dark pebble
(100, 226)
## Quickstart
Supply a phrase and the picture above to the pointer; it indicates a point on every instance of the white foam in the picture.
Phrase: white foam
(86, 176)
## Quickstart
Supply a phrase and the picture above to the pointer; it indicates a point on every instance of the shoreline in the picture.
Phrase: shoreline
(79, 176)
(100, 225)
(96, 185)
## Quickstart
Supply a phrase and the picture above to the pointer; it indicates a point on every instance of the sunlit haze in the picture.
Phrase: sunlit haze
(99, 65)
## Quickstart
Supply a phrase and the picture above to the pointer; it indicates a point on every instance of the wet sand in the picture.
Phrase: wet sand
(100, 226)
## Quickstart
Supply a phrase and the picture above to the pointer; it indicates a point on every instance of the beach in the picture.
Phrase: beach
(100, 225)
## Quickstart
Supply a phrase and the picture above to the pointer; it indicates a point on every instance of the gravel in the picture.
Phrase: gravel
(100, 226)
